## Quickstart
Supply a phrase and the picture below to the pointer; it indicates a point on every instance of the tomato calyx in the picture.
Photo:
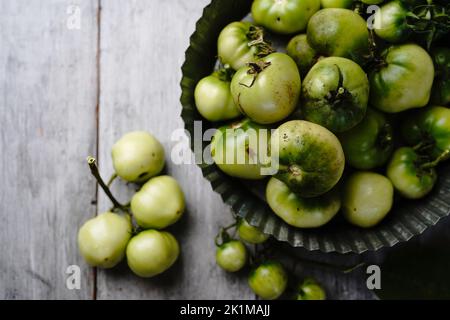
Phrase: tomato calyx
(256, 38)
(255, 68)
(426, 166)
(224, 73)
(429, 19)
(340, 95)
(223, 236)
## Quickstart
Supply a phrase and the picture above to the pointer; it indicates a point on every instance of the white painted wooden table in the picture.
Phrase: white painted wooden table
(68, 89)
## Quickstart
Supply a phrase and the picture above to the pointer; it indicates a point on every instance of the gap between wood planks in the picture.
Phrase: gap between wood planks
(97, 114)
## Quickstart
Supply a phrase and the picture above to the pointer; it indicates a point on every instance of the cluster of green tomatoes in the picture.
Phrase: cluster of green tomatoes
(372, 101)
(135, 230)
(268, 278)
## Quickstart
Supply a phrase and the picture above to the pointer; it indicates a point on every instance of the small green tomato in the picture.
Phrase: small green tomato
(284, 16)
(159, 203)
(268, 90)
(137, 156)
(103, 239)
(301, 212)
(213, 97)
(412, 176)
(310, 290)
(301, 52)
(268, 280)
(337, 32)
(251, 234)
(152, 252)
(367, 198)
(231, 256)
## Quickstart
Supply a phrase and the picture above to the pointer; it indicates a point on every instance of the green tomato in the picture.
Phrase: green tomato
(240, 43)
(102, 240)
(152, 252)
(137, 156)
(302, 53)
(390, 22)
(213, 97)
(251, 234)
(310, 290)
(268, 280)
(346, 4)
(267, 91)
(370, 143)
(372, 1)
(340, 33)
(429, 127)
(241, 149)
(301, 212)
(441, 86)
(412, 178)
(311, 159)
(404, 79)
(231, 256)
(367, 198)
(335, 94)
(159, 203)
(284, 16)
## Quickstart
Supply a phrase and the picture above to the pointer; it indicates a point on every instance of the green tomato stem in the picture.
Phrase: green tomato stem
(444, 155)
(223, 237)
(95, 172)
(111, 179)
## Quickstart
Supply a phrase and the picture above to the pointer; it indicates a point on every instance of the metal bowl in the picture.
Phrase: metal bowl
(407, 219)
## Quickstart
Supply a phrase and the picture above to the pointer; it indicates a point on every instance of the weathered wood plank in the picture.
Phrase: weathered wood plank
(48, 126)
(142, 49)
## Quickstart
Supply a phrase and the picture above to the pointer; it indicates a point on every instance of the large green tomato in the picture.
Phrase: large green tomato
(241, 149)
(429, 127)
(367, 198)
(231, 256)
(370, 143)
(311, 159)
(240, 43)
(441, 86)
(335, 94)
(404, 79)
(340, 33)
(251, 234)
(412, 177)
(102, 240)
(152, 252)
(159, 203)
(301, 212)
(304, 56)
(346, 4)
(137, 156)
(284, 16)
(268, 90)
(310, 290)
(268, 280)
(390, 22)
(213, 97)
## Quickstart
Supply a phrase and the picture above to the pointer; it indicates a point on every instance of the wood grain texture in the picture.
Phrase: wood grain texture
(142, 49)
(49, 78)
(48, 126)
